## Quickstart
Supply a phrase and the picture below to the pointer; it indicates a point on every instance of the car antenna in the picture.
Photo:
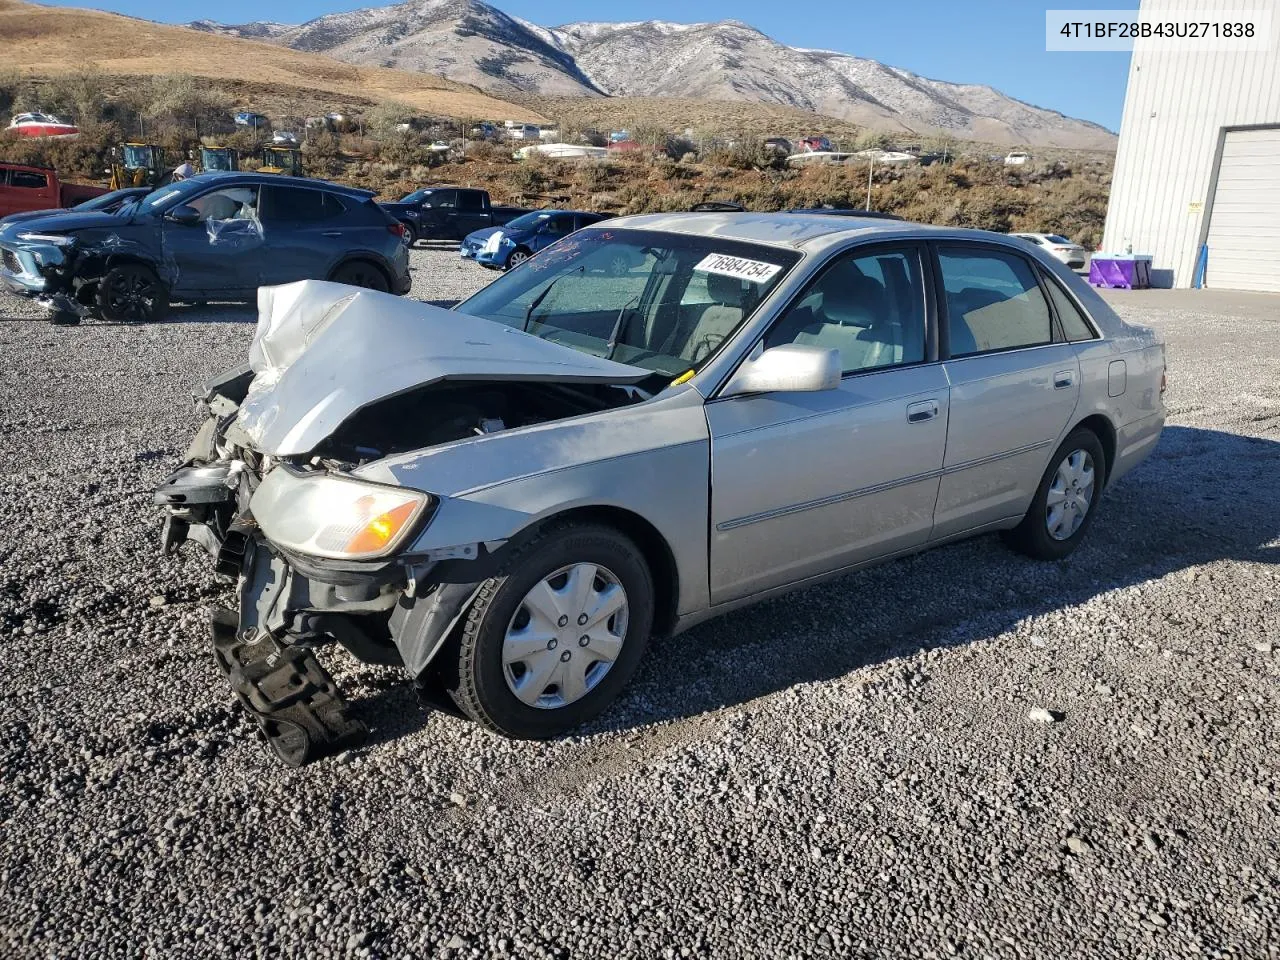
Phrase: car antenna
(618, 325)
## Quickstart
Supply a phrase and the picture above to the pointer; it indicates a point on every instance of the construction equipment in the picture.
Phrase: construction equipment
(282, 160)
(218, 158)
(137, 165)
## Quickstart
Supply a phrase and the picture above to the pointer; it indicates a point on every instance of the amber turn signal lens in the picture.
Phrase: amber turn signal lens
(381, 530)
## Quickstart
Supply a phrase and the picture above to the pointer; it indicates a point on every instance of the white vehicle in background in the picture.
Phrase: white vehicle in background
(527, 131)
(1016, 158)
(1058, 247)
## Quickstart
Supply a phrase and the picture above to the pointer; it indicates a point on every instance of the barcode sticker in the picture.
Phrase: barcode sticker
(756, 271)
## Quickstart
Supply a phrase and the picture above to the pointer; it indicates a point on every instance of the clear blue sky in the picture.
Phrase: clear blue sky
(996, 42)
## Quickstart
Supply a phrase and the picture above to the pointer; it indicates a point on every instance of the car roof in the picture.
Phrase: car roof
(811, 232)
(281, 180)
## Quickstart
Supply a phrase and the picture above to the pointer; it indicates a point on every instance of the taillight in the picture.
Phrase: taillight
(397, 228)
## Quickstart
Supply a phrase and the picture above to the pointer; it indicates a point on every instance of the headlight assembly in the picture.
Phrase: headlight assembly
(52, 239)
(341, 519)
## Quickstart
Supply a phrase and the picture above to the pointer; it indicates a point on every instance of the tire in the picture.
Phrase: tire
(131, 293)
(518, 256)
(410, 235)
(361, 273)
(502, 624)
(1046, 533)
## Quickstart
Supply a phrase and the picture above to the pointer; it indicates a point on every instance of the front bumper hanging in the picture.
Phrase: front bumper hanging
(287, 691)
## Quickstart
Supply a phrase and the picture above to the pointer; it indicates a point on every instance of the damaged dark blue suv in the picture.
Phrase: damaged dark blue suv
(217, 236)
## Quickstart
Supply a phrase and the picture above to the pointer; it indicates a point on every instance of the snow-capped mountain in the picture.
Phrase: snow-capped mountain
(472, 42)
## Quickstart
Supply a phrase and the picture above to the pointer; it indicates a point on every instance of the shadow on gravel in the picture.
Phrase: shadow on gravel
(1203, 496)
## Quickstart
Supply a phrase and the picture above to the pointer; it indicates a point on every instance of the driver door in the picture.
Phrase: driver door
(220, 254)
(803, 484)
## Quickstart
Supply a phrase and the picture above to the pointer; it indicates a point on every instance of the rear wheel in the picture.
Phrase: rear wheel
(551, 641)
(1066, 500)
(361, 273)
(132, 293)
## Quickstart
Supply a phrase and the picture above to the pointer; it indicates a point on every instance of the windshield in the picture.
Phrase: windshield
(137, 157)
(528, 221)
(664, 301)
(422, 196)
(107, 201)
(172, 195)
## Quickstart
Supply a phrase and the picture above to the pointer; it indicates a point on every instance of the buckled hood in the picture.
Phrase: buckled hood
(323, 351)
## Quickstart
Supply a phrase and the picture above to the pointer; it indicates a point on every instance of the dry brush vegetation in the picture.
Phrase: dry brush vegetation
(1060, 192)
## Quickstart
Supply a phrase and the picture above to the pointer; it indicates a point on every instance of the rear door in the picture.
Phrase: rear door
(1014, 384)
(308, 231)
(471, 211)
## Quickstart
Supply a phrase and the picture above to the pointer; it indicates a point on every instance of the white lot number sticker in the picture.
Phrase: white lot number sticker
(755, 271)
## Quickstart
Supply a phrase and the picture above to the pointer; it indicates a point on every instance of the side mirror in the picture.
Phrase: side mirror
(789, 368)
(185, 214)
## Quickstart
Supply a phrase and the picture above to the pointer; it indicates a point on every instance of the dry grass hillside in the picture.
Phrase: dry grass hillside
(44, 41)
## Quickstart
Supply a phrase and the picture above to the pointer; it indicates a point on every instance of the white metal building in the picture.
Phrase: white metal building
(1199, 160)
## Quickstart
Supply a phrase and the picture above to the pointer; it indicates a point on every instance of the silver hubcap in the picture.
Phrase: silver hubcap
(518, 258)
(565, 636)
(1070, 495)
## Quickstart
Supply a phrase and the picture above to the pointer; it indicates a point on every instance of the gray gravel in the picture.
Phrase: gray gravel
(859, 770)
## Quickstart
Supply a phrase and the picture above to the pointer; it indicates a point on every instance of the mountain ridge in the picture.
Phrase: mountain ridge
(472, 42)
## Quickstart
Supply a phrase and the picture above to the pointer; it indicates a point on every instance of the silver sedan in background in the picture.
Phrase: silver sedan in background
(509, 499)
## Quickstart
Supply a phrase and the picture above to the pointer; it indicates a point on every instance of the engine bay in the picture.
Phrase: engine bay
(444, 412)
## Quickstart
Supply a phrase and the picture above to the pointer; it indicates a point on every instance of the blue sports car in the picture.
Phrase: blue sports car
(507, 246)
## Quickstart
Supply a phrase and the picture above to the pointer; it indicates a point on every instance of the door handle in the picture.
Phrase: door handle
(922, 411)
(1063, 379)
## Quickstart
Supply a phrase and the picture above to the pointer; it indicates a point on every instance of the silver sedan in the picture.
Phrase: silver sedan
(508, 500)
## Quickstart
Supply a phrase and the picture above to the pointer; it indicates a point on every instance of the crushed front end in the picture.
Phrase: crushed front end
(276, 486)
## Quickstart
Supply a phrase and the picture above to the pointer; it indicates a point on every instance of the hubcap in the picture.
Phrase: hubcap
(565, 636)
(518, 258)
(1070, 495)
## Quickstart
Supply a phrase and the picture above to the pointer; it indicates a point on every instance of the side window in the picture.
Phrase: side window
(993, 301)
(29, 180)
(229, 203)
(469, 201)
(1074, 325)
(868, 306)
(443, 198)
(298, 205)
(559, 226)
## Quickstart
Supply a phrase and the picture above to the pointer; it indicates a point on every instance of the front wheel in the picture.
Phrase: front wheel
(1066, 500)
(361, 274)
(551, 641)
(410, 235)
(132, 293)
(518, 256)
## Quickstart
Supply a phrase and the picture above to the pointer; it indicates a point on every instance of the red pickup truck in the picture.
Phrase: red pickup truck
(24, 187)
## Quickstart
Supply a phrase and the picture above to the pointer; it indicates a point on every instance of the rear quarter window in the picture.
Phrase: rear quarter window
(1074, 325)
(28, 180)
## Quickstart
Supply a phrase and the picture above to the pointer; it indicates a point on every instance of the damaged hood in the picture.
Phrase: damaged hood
(60, 222)
(324, 351)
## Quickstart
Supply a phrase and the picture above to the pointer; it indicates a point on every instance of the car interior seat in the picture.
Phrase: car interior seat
(731, 300)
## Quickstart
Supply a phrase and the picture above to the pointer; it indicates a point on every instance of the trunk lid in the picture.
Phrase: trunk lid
(324, 351)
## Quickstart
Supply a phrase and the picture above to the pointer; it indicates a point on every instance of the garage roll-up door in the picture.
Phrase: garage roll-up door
(1244, 224)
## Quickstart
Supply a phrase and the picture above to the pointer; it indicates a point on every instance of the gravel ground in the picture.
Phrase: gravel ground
(849, 771)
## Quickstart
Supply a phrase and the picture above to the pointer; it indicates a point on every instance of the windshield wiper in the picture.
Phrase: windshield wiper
(619, 325)
(537, 301)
